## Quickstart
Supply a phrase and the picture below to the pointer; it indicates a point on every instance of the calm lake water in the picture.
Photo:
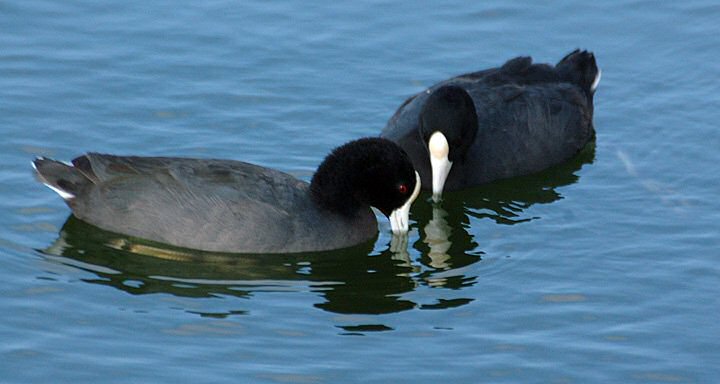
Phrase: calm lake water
(602, 270)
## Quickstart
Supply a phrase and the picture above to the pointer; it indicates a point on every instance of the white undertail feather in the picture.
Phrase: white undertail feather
(595, 83)
(64, 194)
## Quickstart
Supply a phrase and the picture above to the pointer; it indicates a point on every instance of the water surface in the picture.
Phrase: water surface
(600, 270)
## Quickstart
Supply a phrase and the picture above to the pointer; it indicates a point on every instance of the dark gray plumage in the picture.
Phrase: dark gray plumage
(529, 117)
(230, 206)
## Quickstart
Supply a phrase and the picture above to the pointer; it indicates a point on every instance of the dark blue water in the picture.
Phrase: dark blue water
(602, 270)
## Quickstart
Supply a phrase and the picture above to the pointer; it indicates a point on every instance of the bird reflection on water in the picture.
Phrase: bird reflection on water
(358, 280)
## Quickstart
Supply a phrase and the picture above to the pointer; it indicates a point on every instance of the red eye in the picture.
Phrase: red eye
(403, 188)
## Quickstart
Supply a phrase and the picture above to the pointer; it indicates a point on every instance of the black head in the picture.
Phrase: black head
(366, 172)
(450, 110)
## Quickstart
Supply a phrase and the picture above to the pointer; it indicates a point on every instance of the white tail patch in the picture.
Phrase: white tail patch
(596, 81)
(64, 194)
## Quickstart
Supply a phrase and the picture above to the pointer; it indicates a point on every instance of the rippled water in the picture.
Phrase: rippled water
(600, 270)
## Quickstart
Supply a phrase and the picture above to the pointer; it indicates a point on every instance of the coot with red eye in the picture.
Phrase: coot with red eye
(502, 122)
(232, 206)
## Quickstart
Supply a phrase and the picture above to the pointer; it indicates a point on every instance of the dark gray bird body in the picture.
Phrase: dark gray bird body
(233, 206)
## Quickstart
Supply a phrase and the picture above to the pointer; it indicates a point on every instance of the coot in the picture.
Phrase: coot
(233, 206)
(502, 122)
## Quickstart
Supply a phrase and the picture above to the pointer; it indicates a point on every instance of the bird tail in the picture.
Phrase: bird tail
(580, 68)
(62, 178)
